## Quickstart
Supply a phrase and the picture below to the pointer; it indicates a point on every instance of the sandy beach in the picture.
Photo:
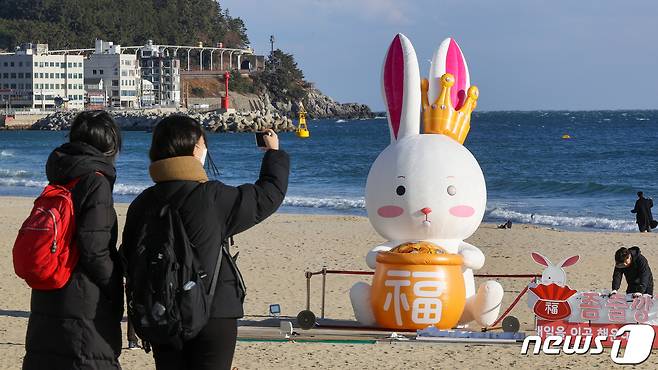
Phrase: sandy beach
(275, 254)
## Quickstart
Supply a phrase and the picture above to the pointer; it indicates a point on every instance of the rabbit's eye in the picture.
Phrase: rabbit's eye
(452, 190)
(400, 190)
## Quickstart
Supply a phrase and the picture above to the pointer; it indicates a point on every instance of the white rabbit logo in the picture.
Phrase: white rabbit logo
(426, 187)
(554, 274)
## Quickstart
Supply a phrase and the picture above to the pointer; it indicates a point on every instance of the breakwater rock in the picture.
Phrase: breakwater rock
(213, 121)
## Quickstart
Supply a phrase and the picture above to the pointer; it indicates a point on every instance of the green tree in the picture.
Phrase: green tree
(76, 23)
(283, 78)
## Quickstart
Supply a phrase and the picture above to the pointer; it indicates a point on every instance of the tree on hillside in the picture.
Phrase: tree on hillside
(77, 23)
(284, 80)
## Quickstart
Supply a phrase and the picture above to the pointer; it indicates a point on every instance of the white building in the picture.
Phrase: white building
(163, 71)
(95, 95)
(147, 96)
(119, 73)
(32, 78)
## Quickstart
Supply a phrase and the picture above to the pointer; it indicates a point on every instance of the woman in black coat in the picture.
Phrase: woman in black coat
(211, 212)
(79, 325)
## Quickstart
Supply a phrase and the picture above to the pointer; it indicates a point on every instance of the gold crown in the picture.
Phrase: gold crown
(441, 117)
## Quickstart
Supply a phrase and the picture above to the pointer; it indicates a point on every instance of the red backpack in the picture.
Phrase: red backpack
(45, 253)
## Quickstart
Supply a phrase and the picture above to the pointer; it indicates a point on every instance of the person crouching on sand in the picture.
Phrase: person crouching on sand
(630, 263)
(79, 325)
(211, 212)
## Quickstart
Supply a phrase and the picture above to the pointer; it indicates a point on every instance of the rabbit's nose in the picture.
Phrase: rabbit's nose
(426, 211)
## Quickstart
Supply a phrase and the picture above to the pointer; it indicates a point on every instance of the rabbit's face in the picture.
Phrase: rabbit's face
(554, 275)
(425, 187)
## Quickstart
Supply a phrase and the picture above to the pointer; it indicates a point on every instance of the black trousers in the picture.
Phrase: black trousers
(132, 337)
(212, 349)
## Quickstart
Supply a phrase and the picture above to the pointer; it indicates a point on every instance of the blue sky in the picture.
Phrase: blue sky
(523, 54)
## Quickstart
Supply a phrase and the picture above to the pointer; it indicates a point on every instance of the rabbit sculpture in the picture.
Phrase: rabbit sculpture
(554, 274)
(428, 187)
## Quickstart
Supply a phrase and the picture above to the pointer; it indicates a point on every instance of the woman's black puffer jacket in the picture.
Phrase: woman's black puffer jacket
(79, 325)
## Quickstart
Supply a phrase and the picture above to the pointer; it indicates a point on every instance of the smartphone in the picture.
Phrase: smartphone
(260, 140)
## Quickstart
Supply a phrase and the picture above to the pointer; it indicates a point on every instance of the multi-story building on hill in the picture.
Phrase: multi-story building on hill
(118, 71)
(163, 71)
(32, 78)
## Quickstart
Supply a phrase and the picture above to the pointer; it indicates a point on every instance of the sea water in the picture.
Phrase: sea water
(532, 174)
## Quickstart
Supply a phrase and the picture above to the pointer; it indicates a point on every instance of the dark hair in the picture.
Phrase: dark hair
(640, 194)
(175, 136)
(98, 129)
(621, 254)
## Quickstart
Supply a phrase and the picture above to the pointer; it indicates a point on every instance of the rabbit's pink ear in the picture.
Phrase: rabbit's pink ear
(570, 261)
(449, 58)
(401, 88)
(540, 259)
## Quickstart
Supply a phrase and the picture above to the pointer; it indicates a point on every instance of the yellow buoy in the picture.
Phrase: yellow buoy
(302, 129)
(566, 136)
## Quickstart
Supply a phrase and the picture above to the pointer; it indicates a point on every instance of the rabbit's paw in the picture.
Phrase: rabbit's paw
(473, 258)
(360, 297)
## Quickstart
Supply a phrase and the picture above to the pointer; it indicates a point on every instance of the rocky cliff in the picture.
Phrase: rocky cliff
(317, 104)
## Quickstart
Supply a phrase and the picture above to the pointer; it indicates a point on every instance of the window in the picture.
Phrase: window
(52, 86)
(52, 75)
(70, 75)
(101, 71)
(40, 64)
(56, 64)
(40, 75)
(57, 86)
(115, 82)
(5, 64)
(5, 75)
(21, 86)
(28, 75)
(79, 97)
(5, 86)
(52, 64)
(35, 64)
(11, 64)
(13, 86)
(13, 75)
(69, 64)
(20, 64)
(70, 87)
(20, 75)
(93, 72)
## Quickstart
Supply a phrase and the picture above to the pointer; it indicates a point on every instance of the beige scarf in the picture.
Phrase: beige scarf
(178, 168)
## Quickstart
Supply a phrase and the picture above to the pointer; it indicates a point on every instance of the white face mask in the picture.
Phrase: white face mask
(204, 152)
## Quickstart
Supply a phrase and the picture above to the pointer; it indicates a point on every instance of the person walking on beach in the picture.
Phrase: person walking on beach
(642, 210)
(211, 212)
(79, 325)
(630, 263)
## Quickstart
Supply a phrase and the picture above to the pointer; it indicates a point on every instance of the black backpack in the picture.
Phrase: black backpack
(166, 288)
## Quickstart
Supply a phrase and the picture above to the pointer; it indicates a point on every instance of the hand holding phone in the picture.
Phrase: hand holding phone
(267, 139)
